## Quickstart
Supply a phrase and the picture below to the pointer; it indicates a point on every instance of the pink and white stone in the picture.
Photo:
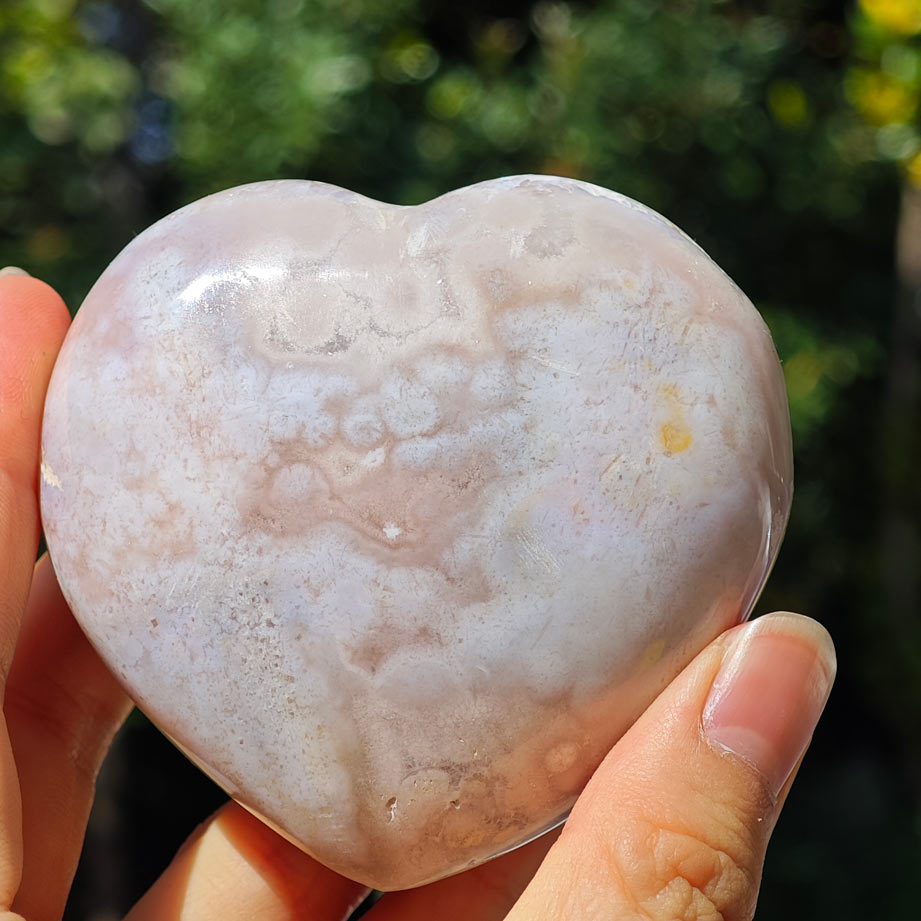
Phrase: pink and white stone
(396, 518)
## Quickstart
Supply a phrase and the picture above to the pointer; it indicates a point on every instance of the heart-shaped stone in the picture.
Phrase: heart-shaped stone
(395, 518)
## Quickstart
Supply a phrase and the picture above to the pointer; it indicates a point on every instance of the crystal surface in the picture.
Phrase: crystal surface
(395, 518)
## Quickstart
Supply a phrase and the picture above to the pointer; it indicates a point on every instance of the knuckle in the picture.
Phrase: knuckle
(670, 874)
(696, 881)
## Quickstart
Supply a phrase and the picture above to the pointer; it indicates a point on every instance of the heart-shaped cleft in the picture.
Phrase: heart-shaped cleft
(395, 518)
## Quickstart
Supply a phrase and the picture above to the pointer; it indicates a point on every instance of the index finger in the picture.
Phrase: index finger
(33, 321)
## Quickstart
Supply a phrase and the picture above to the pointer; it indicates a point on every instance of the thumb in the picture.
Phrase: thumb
(675, 822)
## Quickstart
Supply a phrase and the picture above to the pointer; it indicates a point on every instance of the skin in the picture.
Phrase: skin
(671, 827)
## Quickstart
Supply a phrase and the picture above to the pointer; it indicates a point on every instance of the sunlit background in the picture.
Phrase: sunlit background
(784, 136)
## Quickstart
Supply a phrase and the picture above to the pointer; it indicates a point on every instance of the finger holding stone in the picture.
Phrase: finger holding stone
(485, 893)
(676, 820)
(235, 868)
(33, 320)
(62, 708)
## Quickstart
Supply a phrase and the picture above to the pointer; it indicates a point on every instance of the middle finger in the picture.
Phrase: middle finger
(62, 708)
(234, 868)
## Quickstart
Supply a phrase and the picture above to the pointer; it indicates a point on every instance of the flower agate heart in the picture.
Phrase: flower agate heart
(395, 518)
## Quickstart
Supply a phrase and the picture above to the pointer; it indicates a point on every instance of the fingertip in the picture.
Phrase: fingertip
(29, 304)
(33, 322)
(234, 867)
(769, 693)
(803, 629)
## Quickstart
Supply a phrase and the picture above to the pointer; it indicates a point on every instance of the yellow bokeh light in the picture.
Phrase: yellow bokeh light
(901, 16)
(788, 103)
(913, 170)
(881, 99)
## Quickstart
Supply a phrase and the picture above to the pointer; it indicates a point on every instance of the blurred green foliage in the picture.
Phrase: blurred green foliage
(785, 136)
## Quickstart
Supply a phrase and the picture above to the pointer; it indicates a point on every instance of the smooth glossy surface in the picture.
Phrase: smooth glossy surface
(395, 518)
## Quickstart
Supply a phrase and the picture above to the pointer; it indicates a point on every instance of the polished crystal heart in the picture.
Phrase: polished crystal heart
(394, 518)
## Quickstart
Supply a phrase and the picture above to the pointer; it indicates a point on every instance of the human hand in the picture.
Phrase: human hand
(673, 825)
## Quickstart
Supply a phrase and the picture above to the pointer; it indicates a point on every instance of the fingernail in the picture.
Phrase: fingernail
(13, 270)
(770, 692)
